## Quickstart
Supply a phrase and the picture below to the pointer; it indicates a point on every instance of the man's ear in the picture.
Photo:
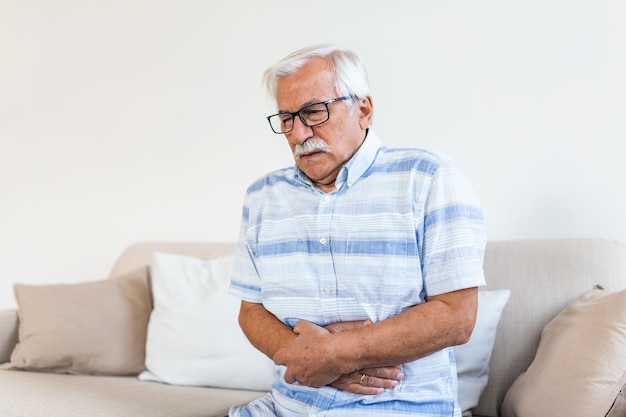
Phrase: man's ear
(366, 111)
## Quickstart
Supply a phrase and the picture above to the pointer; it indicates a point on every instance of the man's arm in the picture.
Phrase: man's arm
(318, 357)
(263, 329)
(269, 335)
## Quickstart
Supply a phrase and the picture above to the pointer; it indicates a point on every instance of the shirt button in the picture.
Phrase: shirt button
(328, 289)
(323, 241)
(326, 198)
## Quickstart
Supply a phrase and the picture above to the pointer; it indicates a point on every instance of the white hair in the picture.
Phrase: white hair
(350, 72)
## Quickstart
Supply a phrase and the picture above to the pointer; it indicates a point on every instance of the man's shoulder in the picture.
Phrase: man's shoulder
(414, 153)
(271, 179)
(408, 159)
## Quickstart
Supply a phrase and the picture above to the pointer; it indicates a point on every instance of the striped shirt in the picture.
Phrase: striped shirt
(401, 224)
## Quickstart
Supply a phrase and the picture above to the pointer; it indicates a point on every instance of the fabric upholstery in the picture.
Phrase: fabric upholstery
(580, 366)
(140, 254)
(472, 358)
(543, 276)
(8, 333)
(96, 327)
(35, 394)
(619, 406)
(193, 336)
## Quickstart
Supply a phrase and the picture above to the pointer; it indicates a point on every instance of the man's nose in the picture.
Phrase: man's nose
(300, 132)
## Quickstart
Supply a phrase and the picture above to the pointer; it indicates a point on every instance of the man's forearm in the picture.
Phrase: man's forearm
(263, 329)
(442, 321)
(268, 334)
(318, 357)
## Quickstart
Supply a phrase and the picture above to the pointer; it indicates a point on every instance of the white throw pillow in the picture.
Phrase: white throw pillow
(193, 334)
(472, 358)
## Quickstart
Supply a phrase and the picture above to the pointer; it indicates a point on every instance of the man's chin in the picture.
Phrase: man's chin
(312, 169)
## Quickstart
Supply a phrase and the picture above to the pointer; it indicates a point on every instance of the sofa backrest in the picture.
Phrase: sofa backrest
(139, 254)
(543, 276)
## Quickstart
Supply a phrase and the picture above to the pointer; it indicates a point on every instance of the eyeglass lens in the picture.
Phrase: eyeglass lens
(312, 115)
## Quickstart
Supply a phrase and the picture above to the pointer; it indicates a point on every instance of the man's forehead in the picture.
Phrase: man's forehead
(301, 105)
(292, 94)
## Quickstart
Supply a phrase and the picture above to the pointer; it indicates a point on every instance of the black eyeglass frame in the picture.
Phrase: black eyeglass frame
(302, 119)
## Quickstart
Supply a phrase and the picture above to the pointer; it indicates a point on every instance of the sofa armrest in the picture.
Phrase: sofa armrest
(8, 333)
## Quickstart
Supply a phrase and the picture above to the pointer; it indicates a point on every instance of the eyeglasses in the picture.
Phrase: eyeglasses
(310, 115)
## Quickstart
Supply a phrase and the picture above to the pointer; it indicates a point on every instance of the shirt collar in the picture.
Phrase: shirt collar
(355, 167)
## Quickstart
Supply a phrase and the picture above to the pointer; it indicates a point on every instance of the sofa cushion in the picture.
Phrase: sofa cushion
(96, 327)
(472, 358)
(37, 394)
(193, 335)
(580, 366)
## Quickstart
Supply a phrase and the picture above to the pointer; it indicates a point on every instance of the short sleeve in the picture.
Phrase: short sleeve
(453, 235)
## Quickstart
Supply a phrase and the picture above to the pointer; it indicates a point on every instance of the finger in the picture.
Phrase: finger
(346, 383)
(340, 327)
(304, 326)
(300, 326)
(386, 372)
(347, 325)
(363, 390)
(375, 382)
(289, 378)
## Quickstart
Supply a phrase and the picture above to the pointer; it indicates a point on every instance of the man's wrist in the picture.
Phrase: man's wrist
(344, 351)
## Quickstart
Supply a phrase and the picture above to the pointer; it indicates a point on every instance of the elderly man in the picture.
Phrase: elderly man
(358, 267)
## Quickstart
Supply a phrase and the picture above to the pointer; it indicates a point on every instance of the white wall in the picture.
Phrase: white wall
(131, 120)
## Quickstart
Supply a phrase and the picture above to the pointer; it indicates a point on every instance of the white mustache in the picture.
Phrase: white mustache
(310, 146)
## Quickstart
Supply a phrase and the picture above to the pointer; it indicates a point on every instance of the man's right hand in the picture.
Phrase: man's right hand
(370, 381)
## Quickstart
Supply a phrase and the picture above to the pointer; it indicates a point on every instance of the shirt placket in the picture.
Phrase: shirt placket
(327, 278)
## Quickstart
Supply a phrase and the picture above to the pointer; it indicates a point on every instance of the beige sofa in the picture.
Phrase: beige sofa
(543, 276)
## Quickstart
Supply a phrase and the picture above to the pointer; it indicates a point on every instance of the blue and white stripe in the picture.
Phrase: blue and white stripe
(401, 224)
